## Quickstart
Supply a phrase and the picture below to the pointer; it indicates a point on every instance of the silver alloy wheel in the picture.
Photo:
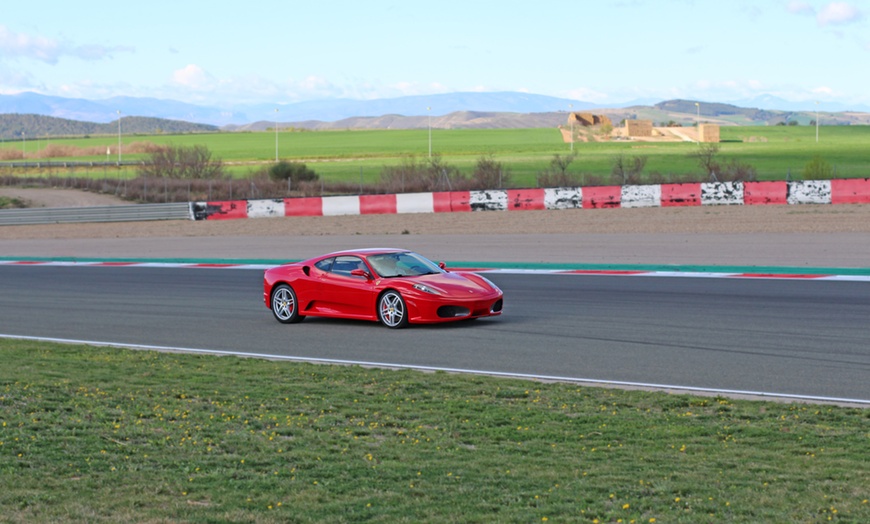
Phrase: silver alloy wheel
(284, 305)
(391, 310)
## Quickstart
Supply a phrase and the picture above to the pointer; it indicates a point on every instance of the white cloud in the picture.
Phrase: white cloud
(587, 95)
(837, 13)
(194, 77)
(800, 8)
(20, 45)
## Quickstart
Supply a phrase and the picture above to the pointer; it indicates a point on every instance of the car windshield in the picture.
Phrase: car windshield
(405, 264)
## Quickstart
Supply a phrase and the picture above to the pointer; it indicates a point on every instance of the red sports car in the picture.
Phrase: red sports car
(393, 286)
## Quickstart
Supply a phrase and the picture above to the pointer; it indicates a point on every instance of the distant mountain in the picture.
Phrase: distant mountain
(436, 105)
(103, 111)
(712, 109)
(455, 120)
(30, 126)
(687, 112)
(324, 110)
(772, 102)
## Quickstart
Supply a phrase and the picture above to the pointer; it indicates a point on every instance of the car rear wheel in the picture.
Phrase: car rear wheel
(285, 307)
(392, 311)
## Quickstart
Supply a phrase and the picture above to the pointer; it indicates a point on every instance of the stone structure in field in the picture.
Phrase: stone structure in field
(638, 128)
(708, 133)
(588, 119)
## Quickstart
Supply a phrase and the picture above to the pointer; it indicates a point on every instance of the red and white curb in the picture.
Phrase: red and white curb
(506, 271)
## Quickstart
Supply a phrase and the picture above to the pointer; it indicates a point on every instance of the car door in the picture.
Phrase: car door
(346, 294)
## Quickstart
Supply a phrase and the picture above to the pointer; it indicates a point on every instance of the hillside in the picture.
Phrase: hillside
(677, 112)
(15, 126)
(680, 112)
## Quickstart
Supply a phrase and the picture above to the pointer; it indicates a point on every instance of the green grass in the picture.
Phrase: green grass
(776, 152)
(10, 203)
(110, 435)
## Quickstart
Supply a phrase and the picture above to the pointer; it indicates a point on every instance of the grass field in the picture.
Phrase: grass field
(109, 435)
(776, 152)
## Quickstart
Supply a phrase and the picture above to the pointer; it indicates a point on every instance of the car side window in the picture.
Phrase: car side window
(325, 264)
(343, 265)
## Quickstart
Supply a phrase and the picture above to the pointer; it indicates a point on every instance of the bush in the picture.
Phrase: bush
(295, 172)
(181, 162)
(557, 174)
(736, 171)
(818, 169)
(431, 174)
(490, 174)
(628, 169)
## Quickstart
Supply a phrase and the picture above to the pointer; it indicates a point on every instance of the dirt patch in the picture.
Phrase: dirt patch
(60, 197)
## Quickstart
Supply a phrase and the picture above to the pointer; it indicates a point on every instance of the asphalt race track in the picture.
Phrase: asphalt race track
(777, 337)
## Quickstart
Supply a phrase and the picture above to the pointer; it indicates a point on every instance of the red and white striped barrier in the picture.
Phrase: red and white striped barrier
(852, 191)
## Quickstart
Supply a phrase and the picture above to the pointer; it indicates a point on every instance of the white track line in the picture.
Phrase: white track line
(527, 376)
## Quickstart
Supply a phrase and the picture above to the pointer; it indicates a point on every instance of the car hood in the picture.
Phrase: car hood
(454, 283)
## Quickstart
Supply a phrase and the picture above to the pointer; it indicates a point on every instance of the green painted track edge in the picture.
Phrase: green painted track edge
(774, 270)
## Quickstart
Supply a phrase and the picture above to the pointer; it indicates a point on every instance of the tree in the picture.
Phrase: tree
(192, 162)
(557, 175)
(706, 158)
(559, 163)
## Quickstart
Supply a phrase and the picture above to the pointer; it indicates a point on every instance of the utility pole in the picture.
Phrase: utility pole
(119, 137)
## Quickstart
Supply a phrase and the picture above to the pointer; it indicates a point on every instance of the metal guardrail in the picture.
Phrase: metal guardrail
(70, 215)
(60, 164)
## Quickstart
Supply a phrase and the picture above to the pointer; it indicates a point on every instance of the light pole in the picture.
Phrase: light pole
(571, 119)
(429, 120)
(817, 121)
(698, 121)
(119, 137)
(23, 147)
(276, 135)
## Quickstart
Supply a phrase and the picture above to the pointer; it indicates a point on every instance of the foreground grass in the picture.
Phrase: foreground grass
(110, 435)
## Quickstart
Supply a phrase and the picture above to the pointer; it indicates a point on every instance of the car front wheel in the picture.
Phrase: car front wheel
(285, 307)
(392, 311)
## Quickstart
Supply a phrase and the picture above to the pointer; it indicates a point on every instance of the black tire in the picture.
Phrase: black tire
(392, 311)
(285, 307)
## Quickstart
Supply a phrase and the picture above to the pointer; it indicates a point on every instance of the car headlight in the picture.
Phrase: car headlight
(425, 289)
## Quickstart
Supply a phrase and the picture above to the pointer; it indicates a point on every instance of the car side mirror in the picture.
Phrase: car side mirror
(361, 273)
(442, 265)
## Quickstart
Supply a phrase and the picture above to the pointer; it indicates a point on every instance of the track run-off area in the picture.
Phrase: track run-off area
(793, 337)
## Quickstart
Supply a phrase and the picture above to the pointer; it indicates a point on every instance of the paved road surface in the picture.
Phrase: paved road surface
(787, 337)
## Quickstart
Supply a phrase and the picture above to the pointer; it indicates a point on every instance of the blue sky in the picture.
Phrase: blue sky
(226, 53)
